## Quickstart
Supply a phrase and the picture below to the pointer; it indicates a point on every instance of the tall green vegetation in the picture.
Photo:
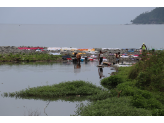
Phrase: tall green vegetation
(156, 16)
(149, 72)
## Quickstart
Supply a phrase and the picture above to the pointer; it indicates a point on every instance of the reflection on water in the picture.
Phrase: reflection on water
(18, 76)
(100, 71)
(77, 67)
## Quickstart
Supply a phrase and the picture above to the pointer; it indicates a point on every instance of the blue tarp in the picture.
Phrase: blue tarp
(65, 57)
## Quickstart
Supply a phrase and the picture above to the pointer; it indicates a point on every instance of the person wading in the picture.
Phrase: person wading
(78, 56)
(117, 57)
(101, 57)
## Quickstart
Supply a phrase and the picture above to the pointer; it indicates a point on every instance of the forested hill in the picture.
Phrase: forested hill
(156, 16)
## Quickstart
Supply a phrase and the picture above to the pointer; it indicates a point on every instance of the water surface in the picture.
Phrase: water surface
(83, 36)
(16, 77)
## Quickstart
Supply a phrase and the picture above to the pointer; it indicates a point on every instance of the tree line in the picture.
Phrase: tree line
(156, 16)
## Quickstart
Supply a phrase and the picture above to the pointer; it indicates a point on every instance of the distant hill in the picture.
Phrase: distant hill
(156, 16)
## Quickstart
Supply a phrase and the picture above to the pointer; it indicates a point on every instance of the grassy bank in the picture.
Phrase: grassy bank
(30, 57)
(134, 91)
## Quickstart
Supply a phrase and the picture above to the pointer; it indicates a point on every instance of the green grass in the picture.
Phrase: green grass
(56, 90)
(111, 107)
(30, 57)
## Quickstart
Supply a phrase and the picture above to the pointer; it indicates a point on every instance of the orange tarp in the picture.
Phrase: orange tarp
(83, 49)
(86, 49)
(80, 53)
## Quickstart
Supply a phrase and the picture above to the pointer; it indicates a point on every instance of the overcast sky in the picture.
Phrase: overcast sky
(70, 15)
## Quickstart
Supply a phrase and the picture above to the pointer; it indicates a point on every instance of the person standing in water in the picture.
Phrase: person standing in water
(101, 57)
(117, 57)
(78, 56)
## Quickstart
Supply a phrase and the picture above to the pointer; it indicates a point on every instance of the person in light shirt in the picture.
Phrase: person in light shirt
(101, 57)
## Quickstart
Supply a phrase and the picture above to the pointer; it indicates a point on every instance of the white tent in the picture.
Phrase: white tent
(53, 48)
(68, 48)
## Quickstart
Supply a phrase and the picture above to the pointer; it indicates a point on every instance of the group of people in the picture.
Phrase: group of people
(117, 55)
(100, 57)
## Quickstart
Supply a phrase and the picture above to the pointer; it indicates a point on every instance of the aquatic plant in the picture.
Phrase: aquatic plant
(62, 89)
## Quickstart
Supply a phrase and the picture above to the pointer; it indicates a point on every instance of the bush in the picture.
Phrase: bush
(141, 102)
(111, 82)
(158, 112)
(149, 72)
(100, 96)
(111, 107)
(127, 88)
(143, 80)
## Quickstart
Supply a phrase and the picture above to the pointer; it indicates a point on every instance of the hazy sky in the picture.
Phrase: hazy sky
(70, 15)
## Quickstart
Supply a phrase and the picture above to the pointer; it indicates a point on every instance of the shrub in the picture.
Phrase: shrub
(158, 112)
(127, 88)
(141, 102)
(149, 72)
(111, 107)
(143, 80)
(111, 82)
(100, 96)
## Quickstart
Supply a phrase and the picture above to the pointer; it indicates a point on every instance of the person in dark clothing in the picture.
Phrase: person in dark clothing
(100, 71)
(78, 56)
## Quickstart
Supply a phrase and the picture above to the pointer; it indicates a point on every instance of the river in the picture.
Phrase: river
(15, 77)
(82, 36)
